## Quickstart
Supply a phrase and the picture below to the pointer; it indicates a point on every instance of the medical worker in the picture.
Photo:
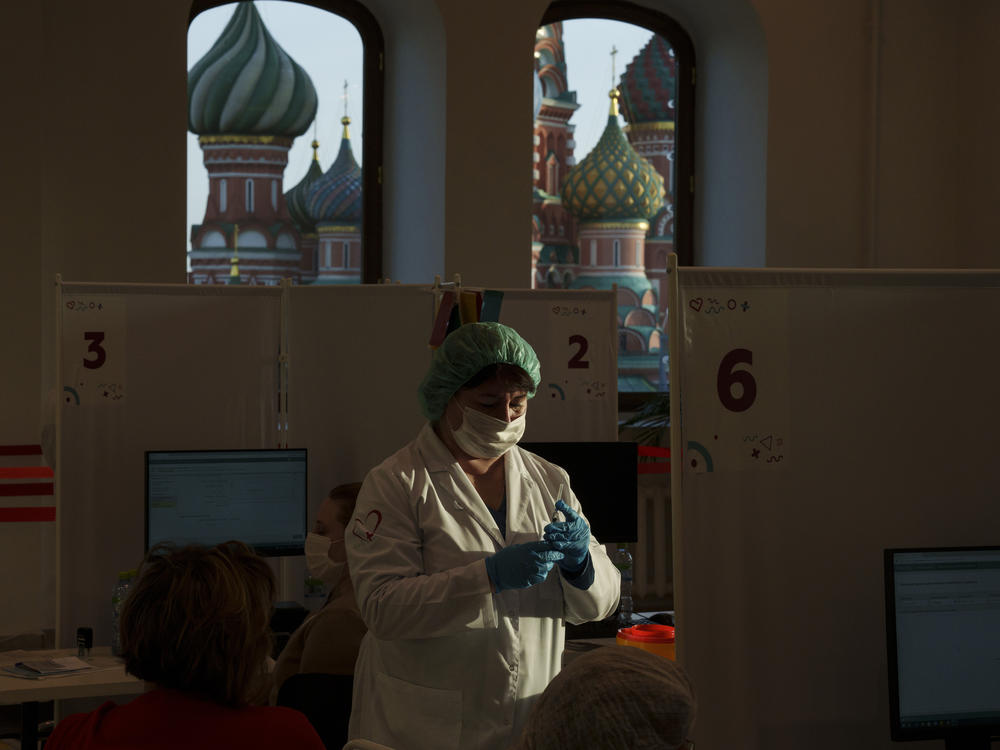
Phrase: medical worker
(327, 642)
(467, 555)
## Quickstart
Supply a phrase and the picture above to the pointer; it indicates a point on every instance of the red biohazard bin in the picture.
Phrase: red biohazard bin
(660, 639)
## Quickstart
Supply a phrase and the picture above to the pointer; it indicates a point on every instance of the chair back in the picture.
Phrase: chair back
(325, 699)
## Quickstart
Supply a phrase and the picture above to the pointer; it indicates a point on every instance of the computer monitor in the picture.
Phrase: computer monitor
(211, 496)
(604, 476)
(943, 639)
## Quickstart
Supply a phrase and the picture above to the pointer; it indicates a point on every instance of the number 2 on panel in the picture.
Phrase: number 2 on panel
(100, 355)
(577, 362)
(728, 376)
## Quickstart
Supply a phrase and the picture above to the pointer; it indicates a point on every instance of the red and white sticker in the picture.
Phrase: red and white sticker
(365, 528)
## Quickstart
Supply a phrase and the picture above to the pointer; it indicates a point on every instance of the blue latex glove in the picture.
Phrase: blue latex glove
(571, 537)
(522, 565)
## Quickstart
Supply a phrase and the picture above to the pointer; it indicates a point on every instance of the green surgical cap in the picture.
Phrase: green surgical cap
(465, 352)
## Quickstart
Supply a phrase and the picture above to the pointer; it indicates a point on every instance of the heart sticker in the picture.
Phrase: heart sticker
(363, 529)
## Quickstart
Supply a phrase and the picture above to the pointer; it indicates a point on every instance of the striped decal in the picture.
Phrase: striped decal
(15, 515)
(25, 472)
(26, 489)
(20, 450)
(26, 486)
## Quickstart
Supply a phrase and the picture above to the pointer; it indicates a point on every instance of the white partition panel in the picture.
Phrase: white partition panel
(574, 333)
(823, 417)
(356, 355)
(148, 367)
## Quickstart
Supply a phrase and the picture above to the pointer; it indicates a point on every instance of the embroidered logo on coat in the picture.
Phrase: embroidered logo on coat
(363, 529)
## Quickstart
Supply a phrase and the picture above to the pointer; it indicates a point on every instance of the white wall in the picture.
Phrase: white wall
(20, 282)
(978, 120)
(731, 146)
(415, 139)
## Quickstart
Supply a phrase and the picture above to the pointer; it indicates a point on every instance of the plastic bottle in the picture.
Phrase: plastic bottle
(623, 561)
(314, 592)
(118, 595)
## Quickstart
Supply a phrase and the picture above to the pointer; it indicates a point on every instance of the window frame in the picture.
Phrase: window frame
(684, 126)
(373, 125)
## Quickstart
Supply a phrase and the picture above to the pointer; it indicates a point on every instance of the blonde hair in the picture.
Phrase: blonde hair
(198, 621)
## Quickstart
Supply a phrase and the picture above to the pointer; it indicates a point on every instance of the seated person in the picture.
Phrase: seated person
(614, 698)
(328, 640)
(195, 628)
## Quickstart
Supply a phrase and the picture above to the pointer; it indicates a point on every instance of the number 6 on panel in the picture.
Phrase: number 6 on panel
(728, 376)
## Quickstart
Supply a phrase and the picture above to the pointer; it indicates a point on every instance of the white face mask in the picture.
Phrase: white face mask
(318, 560)
(483, 436)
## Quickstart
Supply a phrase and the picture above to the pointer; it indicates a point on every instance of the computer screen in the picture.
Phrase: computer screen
(604, 476)
(207, 497)
(943, 637)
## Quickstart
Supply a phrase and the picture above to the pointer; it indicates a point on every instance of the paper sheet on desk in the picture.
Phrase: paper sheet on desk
(32, 666)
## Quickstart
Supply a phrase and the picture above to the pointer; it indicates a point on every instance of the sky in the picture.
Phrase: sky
(588, 45)
(329, 49)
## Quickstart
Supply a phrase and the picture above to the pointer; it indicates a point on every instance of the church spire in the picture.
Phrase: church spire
(345, 120)
(614, 94)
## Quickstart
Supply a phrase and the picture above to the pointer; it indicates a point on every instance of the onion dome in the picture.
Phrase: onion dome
(613, 182)
(295, 198)
(336, 195)
(247, 84)
(649, 84)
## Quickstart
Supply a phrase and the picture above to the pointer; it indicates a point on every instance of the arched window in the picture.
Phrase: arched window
(680, 159)
(583, 48)
(329, 41)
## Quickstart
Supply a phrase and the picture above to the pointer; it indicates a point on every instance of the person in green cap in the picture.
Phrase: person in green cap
(468, 554)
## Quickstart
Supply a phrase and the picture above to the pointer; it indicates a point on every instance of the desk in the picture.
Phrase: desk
(109, 680)
(579, 646)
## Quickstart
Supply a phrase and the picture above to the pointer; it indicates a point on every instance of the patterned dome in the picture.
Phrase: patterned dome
(248, 85)
(613, 182)
(649, 84)
(336, 196)
(295, 198)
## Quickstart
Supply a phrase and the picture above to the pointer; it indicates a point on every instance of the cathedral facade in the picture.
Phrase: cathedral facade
(247, 102)
(608, 221)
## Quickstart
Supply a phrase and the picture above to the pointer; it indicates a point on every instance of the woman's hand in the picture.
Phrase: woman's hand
(522, 565)
(571, 537)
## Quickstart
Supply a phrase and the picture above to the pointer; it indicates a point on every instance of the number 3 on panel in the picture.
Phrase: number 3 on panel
(100, 355)
(729, 376)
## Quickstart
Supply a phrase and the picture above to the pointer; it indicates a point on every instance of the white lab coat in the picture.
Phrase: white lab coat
(446, 664)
